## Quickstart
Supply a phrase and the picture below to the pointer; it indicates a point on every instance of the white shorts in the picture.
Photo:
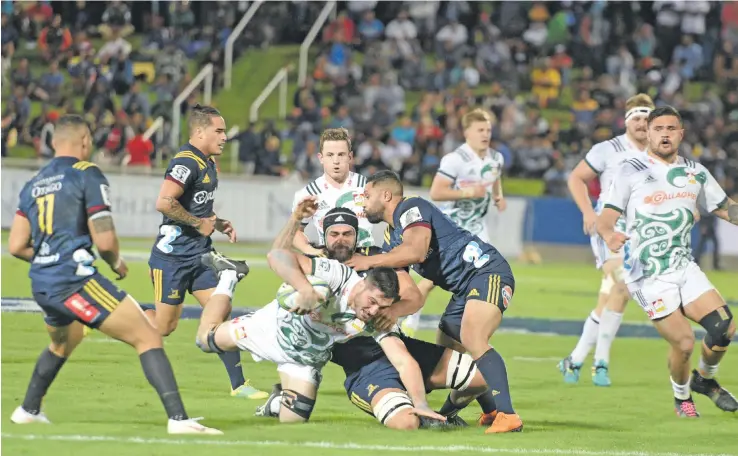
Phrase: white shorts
(661, 295)
(601, 252)
(257, 334)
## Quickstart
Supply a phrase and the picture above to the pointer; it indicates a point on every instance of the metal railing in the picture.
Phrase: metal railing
(237, 31)
(279, 79)
(234, 148)
(206, 74)
(312, 34)
(157, 128)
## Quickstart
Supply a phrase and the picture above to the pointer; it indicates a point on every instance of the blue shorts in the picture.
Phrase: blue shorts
(90, 305)
(493, 288)
(362, 385)
(173, 278)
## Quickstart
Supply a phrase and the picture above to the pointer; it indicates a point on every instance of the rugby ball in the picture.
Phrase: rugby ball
(286, 295)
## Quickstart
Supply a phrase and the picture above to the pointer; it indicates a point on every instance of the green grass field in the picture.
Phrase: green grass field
(102, 404)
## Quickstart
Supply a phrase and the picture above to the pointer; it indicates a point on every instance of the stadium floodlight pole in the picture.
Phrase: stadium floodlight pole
(206, 72)
(237, 31)
(312, 34)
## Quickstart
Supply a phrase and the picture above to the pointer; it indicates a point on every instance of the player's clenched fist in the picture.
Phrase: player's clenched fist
(305, 208)
(120, 268)
(616, 241)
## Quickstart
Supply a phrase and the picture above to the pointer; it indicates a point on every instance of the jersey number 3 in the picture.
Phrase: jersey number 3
(169, 234)
(473, 255)
(45, 205)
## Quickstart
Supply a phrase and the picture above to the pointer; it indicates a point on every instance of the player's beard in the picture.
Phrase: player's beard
(339, 252)
(373, 217)
(664, 155)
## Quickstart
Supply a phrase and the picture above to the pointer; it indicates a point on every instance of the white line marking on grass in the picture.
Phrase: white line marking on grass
(536, 360)
(339, 446)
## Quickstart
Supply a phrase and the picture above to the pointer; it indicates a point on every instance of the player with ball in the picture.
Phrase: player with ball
(322, 302)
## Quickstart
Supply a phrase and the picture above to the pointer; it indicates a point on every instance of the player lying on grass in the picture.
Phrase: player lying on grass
(372, 382)
(64, 210)
(659, 196)
(299, 339)
(482, 283)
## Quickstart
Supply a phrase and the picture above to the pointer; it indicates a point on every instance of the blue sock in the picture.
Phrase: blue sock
(492, 367)
(487, 402)
(232, 363)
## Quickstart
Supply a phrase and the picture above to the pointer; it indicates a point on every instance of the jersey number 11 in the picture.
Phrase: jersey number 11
(45, 206)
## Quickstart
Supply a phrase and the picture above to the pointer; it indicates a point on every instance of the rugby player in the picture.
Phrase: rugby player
(64, 210)
(186, 203)
(372, 383)
(337, 187)
(659, 195)
(299, 340)
(467, 180)
(482, 283)
(603, 160)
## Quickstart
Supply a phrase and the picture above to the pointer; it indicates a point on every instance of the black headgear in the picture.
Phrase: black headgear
(341, 216)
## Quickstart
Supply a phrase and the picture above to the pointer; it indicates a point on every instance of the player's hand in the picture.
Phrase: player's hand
(207, 226)
(589, 223)
(306, 301)
(120, 268)
(359, 262)
(501, 203)
(474, 191)
(616, 241)
(226, 227)
(384, 320)
(425, 410)
(305, 208)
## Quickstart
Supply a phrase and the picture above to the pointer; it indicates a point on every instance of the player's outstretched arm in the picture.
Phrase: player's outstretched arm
(287, 237)
(19, 241)
(577, 182)
(413, 250)
(410, 374)
(442, 190)
(728, 211)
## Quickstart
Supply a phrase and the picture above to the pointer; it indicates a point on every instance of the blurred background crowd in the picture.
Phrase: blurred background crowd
(398, 75)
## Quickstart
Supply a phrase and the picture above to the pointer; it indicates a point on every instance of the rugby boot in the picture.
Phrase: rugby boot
(685, 409)
(505, 422)
(249, 392)
(20, 416)
(486, 419)
(426, 422)
(712, 389)
(600, 374)
(266, 408)
(220, 263)
(570, 370)
(454, 420)
(190, 426)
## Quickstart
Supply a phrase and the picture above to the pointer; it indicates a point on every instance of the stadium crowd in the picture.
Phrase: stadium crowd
(398, 75)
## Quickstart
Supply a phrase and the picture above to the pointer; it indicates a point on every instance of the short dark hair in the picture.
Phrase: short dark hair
(386, 280)
(201, 115)
(69, 123)
(663, 111)
(389, 177)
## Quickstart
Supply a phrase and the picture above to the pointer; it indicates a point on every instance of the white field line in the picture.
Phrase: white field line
(536, 360)
(338, 446)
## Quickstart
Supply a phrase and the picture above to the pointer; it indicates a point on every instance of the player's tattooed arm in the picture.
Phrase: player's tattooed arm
(728, 211)
(286, 236)
(291, 267)
(174, 210)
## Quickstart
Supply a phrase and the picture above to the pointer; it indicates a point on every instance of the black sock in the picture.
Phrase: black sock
(487, 401)
(159, 373)
(47, 366)
(492, 367)
(449, 408)
(232, 363)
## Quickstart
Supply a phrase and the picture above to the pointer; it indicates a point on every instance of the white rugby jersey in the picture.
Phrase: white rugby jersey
(465, 168)
(350, 195)
(659, 201)
(308, 339)
(604, 158)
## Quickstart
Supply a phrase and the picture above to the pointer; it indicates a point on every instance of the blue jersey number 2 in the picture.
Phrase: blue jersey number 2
(473, 254)
(169, 234)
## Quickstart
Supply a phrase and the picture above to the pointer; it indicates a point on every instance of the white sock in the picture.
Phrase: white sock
(587, 340)
(681, 392)
(706, 370)
(227, 283)
(412, 322)
(609, 325)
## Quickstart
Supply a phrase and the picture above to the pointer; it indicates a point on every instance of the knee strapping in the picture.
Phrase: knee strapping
(209, 346)
(607, 284)
(297, 403)
(390, 405)
(460, 371)
(717, 324)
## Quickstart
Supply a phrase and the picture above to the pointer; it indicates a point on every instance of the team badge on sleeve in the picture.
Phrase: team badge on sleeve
(105, 193)
(410, 216)
(507, 295)
(180, 173)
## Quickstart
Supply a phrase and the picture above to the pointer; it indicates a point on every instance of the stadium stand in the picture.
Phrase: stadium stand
(399, 75)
